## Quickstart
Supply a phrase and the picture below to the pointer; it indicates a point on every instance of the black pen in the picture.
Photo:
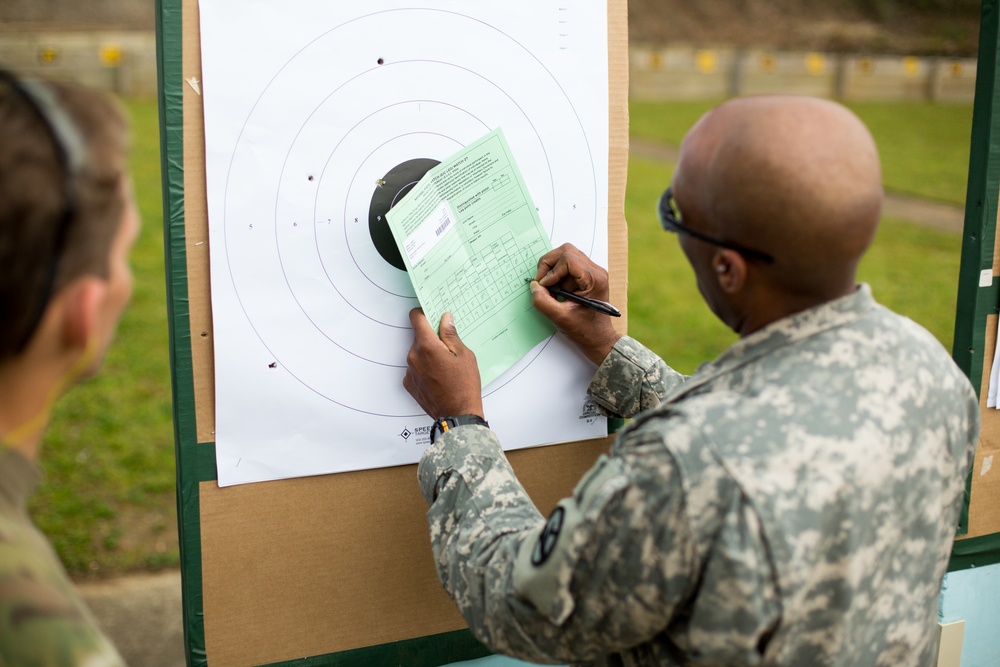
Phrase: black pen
(593, 304)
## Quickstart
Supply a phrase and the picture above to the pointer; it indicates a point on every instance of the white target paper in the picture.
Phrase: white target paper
(308, 106)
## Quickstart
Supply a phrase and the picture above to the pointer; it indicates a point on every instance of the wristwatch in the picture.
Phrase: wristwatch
(444, 424)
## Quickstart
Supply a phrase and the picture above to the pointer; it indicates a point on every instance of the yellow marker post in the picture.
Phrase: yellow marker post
(48, 55)
(110, 55)
(706, 61)
(815, 63)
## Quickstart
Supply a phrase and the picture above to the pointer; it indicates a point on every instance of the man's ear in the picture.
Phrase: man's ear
(730, 270)
(81, 303)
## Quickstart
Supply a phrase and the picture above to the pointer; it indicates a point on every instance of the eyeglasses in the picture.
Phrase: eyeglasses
(70, 151)
(670, 219)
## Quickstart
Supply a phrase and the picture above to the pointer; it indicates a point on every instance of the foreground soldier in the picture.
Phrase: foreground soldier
(67, 224)
(792, 503)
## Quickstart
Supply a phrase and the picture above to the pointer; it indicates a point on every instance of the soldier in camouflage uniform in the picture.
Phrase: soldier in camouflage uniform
(791, 503)
(67, 223)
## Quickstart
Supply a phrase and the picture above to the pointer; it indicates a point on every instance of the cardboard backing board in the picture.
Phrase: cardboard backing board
(979, 303)
(336, 567)
(984, 503)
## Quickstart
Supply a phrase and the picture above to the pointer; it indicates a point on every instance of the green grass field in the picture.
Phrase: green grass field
(108, 501)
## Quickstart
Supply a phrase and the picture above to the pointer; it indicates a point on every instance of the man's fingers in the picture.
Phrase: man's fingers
(566, 315)
(567, 267)
(410, 385)
(421, 327)
(447, 334)
(542, 299)
(556, 273)
(552, 266)
(441, 373)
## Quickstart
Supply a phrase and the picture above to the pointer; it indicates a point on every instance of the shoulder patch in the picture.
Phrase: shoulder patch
(548, 538)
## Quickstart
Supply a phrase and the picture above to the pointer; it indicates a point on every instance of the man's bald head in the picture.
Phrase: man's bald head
(796, 177)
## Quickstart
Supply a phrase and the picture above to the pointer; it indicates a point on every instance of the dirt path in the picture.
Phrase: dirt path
(921, 211)
(142, 615)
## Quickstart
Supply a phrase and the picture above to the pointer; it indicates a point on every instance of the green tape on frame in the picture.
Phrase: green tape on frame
(196, 461)
(976, 552)
(975, 303)
(168, 56)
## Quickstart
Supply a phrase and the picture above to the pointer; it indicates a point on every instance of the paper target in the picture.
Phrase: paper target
(340, 131)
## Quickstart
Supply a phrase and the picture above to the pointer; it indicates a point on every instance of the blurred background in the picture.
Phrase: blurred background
(906, 67)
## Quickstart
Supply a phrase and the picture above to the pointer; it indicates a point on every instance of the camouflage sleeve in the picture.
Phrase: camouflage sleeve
(631, 379)
(42, 619)
(605, 572)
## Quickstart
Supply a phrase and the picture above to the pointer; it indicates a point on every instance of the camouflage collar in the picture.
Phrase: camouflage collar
(777, 335)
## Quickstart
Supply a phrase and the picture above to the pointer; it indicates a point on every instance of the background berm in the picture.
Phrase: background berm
(909, 27)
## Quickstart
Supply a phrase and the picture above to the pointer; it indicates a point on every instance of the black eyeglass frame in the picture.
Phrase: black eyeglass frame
(69, 151)
(670, 220)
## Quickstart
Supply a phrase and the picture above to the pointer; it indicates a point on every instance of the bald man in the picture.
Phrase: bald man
(791, 503)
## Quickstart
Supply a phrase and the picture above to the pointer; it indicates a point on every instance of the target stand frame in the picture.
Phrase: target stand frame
(333, 569)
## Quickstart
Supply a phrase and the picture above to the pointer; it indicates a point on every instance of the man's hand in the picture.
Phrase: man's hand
(441, 373)
(570, 269)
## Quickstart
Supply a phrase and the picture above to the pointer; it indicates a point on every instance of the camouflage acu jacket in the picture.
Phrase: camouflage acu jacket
(42, 619)
(792, 503)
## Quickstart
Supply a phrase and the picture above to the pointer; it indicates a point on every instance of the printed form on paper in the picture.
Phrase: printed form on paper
(469, 235)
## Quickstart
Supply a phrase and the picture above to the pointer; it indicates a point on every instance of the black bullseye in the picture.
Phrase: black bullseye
(390, 189)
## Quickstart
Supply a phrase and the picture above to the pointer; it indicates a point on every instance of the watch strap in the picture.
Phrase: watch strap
(444, 424)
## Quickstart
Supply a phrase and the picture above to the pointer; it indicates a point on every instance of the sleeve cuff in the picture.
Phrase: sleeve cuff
(458, 449)
(630, 372)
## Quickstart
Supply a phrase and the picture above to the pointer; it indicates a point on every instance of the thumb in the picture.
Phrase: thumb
(543, 300)
(449, 333)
